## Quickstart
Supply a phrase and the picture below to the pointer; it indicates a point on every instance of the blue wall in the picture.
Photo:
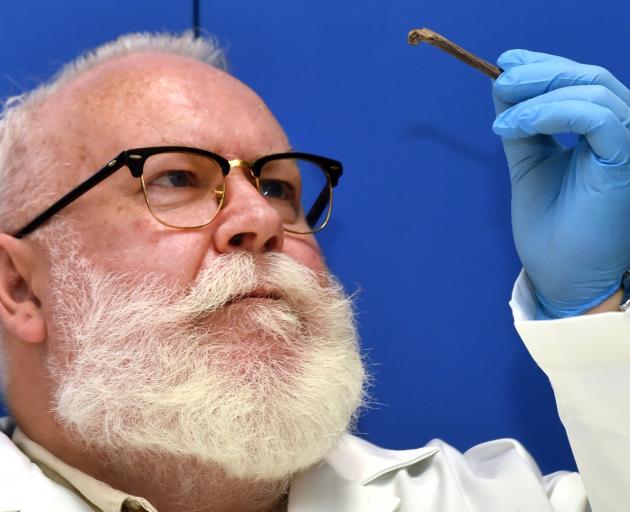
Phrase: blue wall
(421, 223)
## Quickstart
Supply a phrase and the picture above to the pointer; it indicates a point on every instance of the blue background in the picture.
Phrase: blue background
(421, 224)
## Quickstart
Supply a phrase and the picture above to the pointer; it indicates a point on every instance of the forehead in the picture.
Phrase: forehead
(155, 99)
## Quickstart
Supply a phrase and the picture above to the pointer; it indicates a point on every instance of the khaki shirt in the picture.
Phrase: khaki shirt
(97, 494)
(100, 496)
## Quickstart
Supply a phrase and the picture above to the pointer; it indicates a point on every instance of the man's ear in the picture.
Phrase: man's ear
(20, 309)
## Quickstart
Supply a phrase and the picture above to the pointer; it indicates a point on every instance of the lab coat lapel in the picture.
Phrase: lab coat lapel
(342, 481)
(323, 489)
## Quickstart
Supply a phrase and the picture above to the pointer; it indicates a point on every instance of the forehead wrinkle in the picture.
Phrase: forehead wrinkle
(113, 96)
(68, 126)
(152, 105)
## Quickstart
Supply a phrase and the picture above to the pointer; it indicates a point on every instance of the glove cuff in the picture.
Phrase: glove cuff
(547, 311)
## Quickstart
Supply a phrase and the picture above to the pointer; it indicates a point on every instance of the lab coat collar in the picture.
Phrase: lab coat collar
(342, 481)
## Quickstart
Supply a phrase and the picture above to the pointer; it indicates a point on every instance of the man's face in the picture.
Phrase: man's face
(151, 347)
(153, 100)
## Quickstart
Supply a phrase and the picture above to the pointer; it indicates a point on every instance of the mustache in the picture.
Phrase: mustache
(236, 276)
(228, 279)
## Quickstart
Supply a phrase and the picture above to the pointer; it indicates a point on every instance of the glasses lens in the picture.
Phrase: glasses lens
(183, 190)
(300, 192)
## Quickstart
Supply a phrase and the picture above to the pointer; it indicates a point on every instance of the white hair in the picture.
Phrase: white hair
(24, 187)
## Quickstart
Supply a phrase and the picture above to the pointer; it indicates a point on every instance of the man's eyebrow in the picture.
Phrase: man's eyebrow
(289, 149)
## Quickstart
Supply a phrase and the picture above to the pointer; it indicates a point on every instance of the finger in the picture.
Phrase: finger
(524, 156)
(499, 105)
(596, 94)
(520, 83)
(525, 153)
(518, 57)
(605, 133)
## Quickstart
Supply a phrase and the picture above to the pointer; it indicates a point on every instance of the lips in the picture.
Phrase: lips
(259, 293)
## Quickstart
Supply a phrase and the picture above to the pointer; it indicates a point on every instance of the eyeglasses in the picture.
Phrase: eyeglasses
(185, 187)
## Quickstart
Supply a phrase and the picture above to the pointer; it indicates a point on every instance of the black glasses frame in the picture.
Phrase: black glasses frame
(134, 160)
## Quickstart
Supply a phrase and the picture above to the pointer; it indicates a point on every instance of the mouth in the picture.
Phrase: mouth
(257, 294)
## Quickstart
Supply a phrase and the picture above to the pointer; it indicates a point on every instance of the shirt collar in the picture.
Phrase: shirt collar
(95, 492)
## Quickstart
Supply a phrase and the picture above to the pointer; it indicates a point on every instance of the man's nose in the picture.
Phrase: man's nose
(247, 222)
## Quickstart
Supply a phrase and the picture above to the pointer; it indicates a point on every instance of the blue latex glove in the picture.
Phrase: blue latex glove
(570, 207)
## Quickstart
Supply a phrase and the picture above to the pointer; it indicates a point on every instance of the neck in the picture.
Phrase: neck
(169, 483)
(177, 485)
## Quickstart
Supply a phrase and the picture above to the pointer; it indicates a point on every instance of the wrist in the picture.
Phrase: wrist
(607, 301)
(625, 291)
(612, 303)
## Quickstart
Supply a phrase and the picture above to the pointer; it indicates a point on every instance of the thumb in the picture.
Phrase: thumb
(499, 104)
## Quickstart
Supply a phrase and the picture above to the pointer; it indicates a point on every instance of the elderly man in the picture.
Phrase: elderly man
(172, 340)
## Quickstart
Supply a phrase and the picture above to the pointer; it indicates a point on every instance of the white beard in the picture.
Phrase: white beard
(262, 388)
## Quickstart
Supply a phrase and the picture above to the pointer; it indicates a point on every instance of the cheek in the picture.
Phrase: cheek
(306, 251)
(142, 246)
(170, 252)
(123, 243)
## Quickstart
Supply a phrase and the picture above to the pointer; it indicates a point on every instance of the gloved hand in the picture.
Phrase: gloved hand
(570, 207)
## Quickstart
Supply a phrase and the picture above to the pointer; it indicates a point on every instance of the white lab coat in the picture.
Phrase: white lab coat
(587, 360)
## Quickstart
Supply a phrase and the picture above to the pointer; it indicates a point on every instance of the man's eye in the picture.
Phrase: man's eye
(176, 179)
(275, 189)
